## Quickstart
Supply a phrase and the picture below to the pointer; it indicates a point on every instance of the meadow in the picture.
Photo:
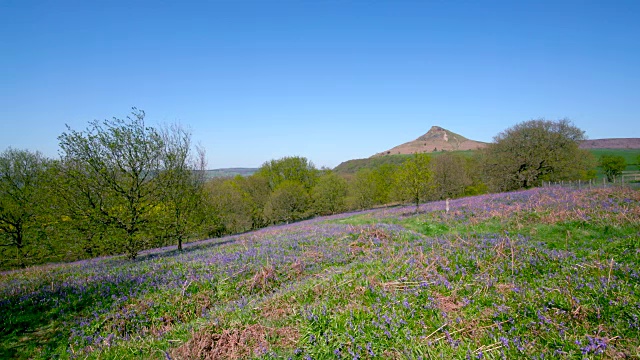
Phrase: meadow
(539, 273)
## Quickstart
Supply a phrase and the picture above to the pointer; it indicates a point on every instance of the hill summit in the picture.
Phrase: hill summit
(436, 139)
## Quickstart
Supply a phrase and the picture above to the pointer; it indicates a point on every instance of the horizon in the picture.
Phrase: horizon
(329, 81)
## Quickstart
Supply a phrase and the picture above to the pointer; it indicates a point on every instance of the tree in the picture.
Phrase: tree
(21, 200)
(414, 179)
(612, 165)
(257, 193)
(534, 151)
(231, 205)
(362, 189)
(289, 202)
(181, 183)
(329, 194)
(383, 182)
(294, 168)
(450, 177)
(115, 165)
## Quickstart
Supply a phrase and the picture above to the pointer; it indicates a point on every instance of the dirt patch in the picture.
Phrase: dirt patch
(278, 308)
(448, 303)
(252, 340)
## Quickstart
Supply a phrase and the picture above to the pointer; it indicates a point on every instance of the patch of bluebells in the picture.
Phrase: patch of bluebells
(106, 302)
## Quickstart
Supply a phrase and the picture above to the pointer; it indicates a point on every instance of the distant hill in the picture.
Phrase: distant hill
(436, 139)
(230, 172)
(615, 143)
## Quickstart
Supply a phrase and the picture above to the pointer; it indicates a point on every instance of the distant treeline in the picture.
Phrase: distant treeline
(121, 186)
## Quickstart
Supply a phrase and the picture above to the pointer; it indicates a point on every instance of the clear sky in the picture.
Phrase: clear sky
(328, 80)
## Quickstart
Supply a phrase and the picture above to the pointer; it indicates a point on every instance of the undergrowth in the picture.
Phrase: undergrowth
(543, 273)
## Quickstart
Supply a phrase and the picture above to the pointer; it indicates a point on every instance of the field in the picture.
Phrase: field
(630, 156)
(551, 273)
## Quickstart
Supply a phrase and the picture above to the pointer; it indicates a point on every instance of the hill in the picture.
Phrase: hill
(613, 143)
(436, 139)
(230, 172)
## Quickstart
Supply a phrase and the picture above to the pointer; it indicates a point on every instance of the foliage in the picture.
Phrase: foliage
(612, 165)
(230, 205)
(384, 183)
(288, 202)
(329, 194)
(414, 179)
(129, 179)
(355, 165)
(290, 168)
(181, 185)
(534, 151)
(256, 189)
(361, 194)
(22, 204)
(394, 160)
(538, 273)
(450, 176)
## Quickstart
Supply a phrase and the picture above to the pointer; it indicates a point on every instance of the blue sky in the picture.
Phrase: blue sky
(328, 80)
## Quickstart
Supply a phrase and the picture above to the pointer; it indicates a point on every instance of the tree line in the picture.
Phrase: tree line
(121, 186)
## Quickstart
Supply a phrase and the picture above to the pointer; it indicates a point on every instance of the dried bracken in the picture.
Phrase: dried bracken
(236, 343)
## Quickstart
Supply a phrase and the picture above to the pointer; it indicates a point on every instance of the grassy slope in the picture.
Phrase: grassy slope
(352, 166)
(551, 272)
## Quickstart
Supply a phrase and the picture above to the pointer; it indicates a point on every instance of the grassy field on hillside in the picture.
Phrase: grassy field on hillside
(352, 166)
(551, 273)
(629, 155)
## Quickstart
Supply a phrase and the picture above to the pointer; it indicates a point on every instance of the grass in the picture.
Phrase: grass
(352, 166)
(551, 273)
(630, 156)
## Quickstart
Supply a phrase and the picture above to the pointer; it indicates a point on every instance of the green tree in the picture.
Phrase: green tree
(612, 165)
(534, 151)
(383, 183)
(21, 203)
(231, 205)
(329, 194)
(294, 168)
(414, 179)
(257, 193)
(450, 177)
(181, 184)
(115, 165)
(289, 202)
(362, 189)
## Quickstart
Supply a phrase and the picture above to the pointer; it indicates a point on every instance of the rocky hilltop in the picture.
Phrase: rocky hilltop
(436, 139)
